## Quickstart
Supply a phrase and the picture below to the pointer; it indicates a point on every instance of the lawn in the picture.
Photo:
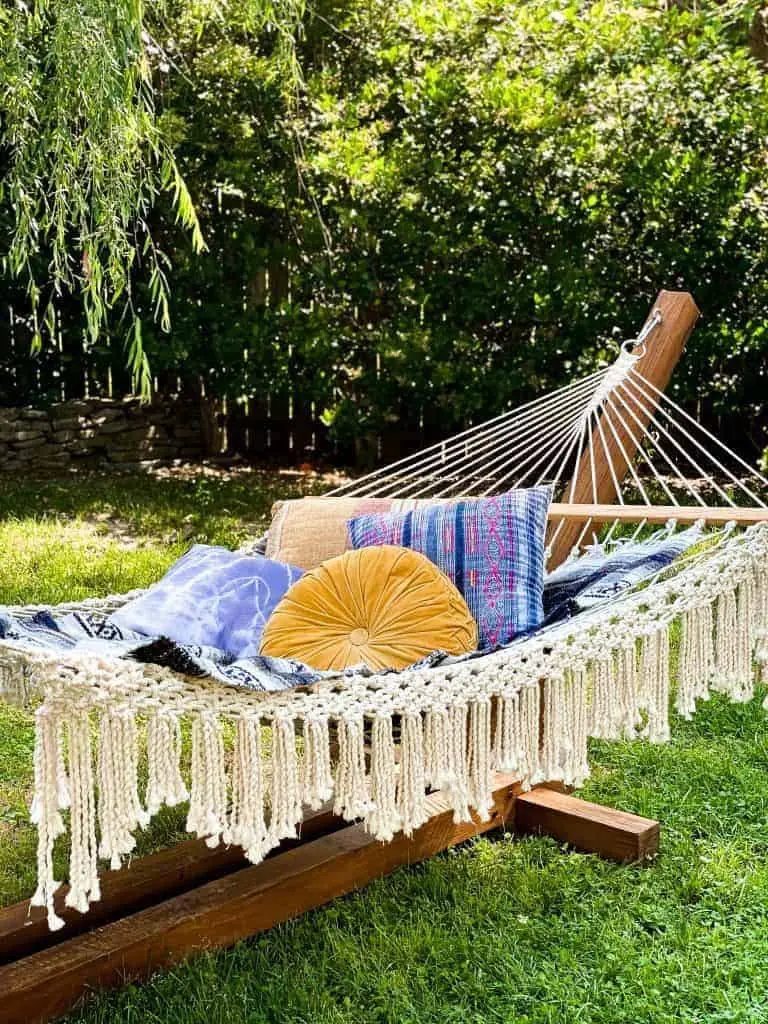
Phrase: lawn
(502, 930)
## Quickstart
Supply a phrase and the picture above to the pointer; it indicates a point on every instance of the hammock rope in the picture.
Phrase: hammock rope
(553, 440)
(662, 400)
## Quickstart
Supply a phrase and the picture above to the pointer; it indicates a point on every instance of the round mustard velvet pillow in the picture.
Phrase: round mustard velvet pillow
(384, 607)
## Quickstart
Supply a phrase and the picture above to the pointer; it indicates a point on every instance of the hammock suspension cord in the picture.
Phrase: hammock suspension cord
(548, 439)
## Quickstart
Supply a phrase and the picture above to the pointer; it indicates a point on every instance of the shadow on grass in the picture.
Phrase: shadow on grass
(214, 505)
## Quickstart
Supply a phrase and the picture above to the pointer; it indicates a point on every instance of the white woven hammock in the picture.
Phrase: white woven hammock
(376, 744)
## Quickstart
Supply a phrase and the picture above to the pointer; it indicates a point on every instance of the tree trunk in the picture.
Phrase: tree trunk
(758, 36)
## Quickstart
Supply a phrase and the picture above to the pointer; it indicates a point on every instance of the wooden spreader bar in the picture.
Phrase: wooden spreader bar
(163, 908)
(675, 314)
(657, 514)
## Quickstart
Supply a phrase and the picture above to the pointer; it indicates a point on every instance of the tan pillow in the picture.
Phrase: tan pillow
(384, 607)
(308, 531)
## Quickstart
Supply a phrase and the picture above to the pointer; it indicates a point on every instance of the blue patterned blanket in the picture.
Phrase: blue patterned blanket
(94, 632)
(574, 587)
(596, 577)
(91, 631)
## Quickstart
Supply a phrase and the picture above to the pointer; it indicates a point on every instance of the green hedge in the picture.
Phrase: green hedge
(475, 200)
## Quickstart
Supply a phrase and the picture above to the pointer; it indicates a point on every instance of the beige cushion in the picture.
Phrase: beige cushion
(308, 531)
(384, 607)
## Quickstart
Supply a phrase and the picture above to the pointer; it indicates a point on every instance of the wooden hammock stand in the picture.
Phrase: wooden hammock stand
(160, 909)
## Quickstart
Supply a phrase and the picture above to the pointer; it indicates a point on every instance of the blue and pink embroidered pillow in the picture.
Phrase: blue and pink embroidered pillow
(493, 549)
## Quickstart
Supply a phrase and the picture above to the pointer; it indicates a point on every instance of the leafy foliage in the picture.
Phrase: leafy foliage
(83, 159)
(464, 204)
(473, 202)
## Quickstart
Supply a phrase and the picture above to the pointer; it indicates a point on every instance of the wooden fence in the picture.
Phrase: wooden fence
(280, 427)
(68, 367)
(283, 428)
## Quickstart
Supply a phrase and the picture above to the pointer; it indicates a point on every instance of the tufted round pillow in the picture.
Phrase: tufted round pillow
(384, 607)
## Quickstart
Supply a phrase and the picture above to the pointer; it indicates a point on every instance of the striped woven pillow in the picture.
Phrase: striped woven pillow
(491, 548)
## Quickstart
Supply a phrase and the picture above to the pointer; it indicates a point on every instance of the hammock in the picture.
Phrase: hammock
(376, 744)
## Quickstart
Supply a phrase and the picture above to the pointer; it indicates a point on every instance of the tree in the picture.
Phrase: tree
(82, 159)
(758, 35)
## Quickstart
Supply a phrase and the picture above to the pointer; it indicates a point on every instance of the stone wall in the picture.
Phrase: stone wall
(101, 432)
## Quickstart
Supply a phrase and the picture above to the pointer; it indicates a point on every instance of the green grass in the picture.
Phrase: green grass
(502, 930)
(73, 537)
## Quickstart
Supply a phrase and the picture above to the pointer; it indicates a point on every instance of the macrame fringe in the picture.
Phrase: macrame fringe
(565, 729)
(83, 866)
(458, 770)
(602, 725)
(480, 758)
(627, 715)
(653, 696)
(615, 706)
(119, 807)
(285, 793)
(760, 610)
(516, 746)
(383, 818)
(735, 635)
(445, 756)
(351, 797)
(536, 728)
(165, 785)
(437, 769)
(696, 660)
(247, 827)
(207, 817)
(317, 777)
(46, 808)
(412, 783)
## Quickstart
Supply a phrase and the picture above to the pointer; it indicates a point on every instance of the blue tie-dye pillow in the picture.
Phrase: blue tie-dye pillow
(212, 597)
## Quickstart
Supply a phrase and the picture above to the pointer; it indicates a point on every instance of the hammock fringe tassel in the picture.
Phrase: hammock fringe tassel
(253, 767)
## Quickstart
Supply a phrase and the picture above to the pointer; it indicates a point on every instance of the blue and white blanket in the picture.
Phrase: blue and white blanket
(596, 577)
(574, 587)
(93, 632)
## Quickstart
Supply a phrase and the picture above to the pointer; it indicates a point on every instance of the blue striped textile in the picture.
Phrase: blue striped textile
(596, 577)
(491, 548)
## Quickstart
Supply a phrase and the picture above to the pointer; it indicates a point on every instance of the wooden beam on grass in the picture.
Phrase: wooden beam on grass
(218, 913)
(142, 882)
(615, 835)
